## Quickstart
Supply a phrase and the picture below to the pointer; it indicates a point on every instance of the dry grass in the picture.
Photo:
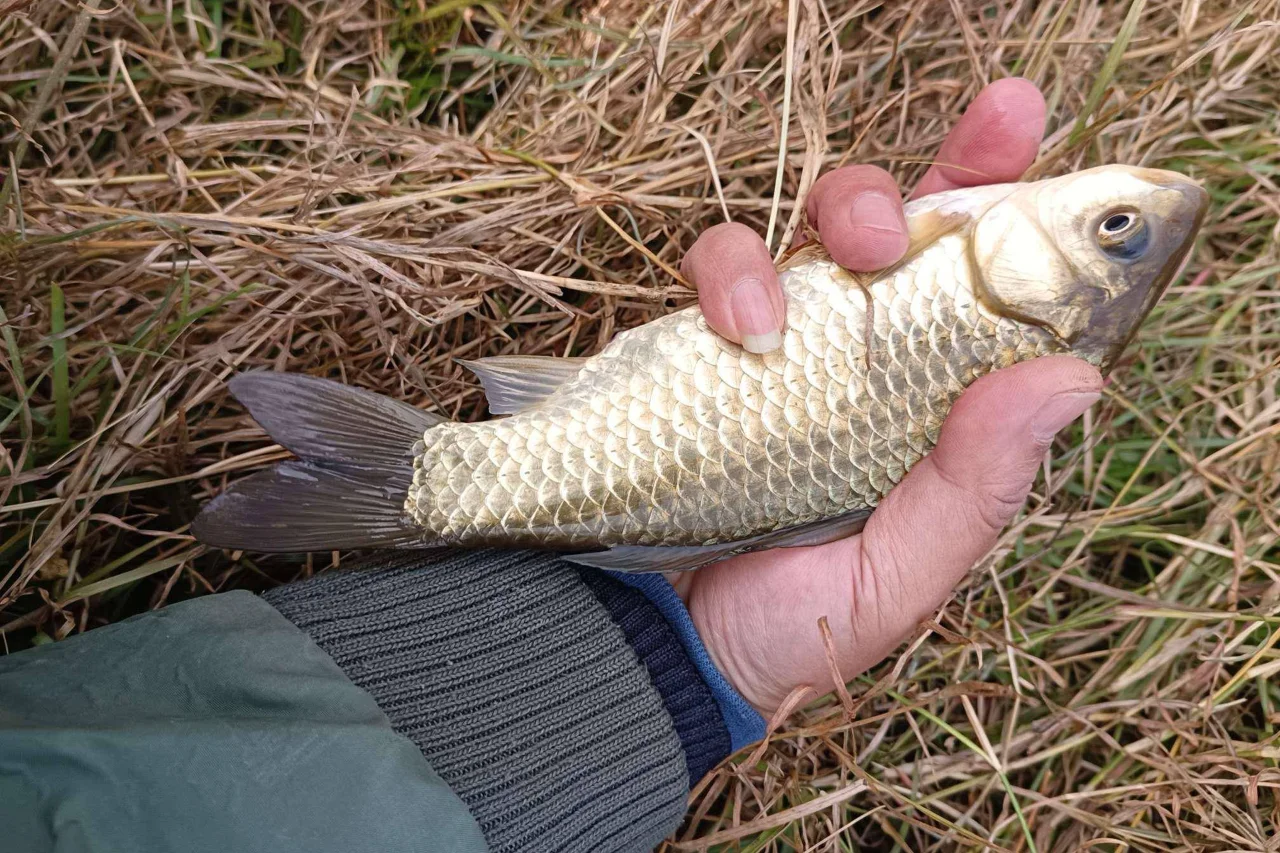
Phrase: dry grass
(367, 189)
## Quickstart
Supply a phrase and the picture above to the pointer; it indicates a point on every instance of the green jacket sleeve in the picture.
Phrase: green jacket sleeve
(211, 725)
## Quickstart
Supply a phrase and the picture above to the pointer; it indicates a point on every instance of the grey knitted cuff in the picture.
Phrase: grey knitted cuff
(513, 680)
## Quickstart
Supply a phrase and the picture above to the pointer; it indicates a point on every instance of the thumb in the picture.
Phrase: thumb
(949, 510)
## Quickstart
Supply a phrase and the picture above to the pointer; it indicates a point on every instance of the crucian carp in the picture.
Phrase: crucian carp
(673, 447)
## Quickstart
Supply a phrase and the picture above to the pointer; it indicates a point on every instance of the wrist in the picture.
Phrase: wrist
(719, 637)
(759, 616)
(704, 736)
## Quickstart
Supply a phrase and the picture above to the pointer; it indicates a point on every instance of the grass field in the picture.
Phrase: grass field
(367, 189)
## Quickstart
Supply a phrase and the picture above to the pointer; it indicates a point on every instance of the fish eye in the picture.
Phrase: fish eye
(1122, 234)
(1117, 222)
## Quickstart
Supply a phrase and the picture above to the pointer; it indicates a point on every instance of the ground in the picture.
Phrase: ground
(368, 189)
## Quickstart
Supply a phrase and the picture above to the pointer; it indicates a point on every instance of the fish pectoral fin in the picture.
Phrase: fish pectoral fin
(516, 382)
(682, 558)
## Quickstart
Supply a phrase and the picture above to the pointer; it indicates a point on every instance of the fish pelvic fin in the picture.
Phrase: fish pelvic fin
(346, 491)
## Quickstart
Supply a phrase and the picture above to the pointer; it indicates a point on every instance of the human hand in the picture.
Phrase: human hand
(757, 614)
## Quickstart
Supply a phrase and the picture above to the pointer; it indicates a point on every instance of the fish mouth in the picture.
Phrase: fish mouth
(1186, 216)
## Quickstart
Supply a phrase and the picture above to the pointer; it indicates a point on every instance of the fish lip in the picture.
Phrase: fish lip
(1197, 200)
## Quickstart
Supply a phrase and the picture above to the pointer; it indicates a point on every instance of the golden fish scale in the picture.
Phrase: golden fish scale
(674, 436)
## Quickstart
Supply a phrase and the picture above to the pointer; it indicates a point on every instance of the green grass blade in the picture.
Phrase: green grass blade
(61, 378)
(14, 353)
(1108, 70)
(85, 590)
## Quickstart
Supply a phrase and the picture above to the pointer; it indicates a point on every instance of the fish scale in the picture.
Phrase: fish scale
(709, 443)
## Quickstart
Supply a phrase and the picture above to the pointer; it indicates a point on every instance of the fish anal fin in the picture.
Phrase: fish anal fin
(821, 532)
(680, 558)
(654, 558)
(513, 383)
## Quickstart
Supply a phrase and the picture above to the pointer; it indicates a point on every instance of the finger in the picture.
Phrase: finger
(857, 211)
(995, 140)
(738, 288)
(949, 510)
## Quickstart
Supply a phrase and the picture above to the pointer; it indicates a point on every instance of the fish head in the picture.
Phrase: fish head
(1088, 255)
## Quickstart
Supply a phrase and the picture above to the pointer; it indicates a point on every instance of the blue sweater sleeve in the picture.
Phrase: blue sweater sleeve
(744, 723)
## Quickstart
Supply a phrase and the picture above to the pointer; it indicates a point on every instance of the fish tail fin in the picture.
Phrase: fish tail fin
(348, 487)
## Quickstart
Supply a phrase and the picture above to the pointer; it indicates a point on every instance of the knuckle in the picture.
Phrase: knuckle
(722, 255)
(862, 177)
(844, 185)
(1000, 504)
(857, 172)
(728, 235)
(718, 248)
(867, 172)
(878, 587)
(987, 505)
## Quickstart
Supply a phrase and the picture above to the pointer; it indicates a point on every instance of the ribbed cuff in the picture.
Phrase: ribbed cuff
(541, 697)
(704, 738)
(743, 721)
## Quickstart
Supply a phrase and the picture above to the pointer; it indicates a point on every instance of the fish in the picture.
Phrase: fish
(672, 447)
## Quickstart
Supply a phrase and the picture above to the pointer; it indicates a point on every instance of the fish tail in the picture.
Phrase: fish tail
(346, 490)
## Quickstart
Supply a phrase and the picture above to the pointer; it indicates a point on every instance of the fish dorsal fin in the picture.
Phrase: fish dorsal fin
(680, 558)
(516, 382)
(929, 226)
(803, 254)
(923, 230)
